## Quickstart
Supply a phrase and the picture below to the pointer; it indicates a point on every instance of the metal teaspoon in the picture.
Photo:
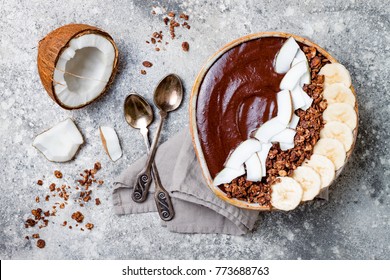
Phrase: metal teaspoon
(167, 97)
(139, 115)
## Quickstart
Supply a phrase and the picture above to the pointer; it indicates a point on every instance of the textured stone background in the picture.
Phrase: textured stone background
(354, 224)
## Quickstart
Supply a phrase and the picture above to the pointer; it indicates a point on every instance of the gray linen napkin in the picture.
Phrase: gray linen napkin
(197, 209)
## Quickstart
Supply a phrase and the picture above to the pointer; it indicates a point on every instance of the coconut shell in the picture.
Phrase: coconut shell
(51, 47)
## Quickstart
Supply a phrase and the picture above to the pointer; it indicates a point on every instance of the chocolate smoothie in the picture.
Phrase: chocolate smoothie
(237, 95)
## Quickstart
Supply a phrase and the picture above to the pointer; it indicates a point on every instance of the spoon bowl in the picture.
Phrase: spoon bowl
(169, 93)
(138, 112)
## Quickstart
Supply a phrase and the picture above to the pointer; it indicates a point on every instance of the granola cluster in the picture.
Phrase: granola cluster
(282, 163)
(60, 196)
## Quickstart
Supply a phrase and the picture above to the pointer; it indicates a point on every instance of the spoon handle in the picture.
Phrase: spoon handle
(143, 181)
(161, 196)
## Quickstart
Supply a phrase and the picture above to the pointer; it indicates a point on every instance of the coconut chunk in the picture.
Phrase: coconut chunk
(286, 146)
(299, 57)
(253, 168)
(269, 129)
(294, 122)
(308, 100)
(292, 77)
(263, 154)
(286, 136)
(60, 143)
(242, 153)
(297, 98)
(285, 56)
(227, 175)
(285, 108)
(110, 142)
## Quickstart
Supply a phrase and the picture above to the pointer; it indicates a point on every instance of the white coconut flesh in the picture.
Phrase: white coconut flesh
(61, 142)
(83, 70)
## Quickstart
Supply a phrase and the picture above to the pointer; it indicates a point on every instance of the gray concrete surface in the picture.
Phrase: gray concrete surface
(354, 224)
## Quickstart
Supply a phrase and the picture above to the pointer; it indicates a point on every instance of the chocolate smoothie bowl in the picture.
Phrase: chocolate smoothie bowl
(273, 120)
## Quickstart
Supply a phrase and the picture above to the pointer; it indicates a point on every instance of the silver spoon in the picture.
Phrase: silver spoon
(167, 97)
(139, 114)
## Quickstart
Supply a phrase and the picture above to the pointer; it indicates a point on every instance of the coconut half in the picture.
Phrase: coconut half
(77, 63)
(59, 143)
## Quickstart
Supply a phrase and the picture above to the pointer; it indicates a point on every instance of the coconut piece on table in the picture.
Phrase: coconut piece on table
(110, 142)
(59, 143)
(77, 63)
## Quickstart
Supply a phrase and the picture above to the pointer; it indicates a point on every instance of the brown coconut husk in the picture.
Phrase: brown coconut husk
(51, 47)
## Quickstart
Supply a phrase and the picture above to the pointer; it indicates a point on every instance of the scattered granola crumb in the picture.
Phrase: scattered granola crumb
(172, 20)
(41, 243)
(30, 223)
(184, 16)
(58, 174)
(147, 64)
(89, 226)
(100, 182)
(37, 199)
(185, 46)
(78, 216)
(41, 217)
(40, 182)
(97, 166)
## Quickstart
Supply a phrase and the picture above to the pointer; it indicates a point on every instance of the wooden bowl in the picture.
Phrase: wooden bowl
(193, 101)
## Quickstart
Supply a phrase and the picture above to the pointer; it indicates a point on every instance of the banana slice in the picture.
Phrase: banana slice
(286, 194)
(333, 149)
(341, 112)
(309, 180)
(339, 93)
(323, 166)
(340, 131)
(335, 73)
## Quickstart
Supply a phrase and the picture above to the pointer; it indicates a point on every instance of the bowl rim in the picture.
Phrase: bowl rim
(192, 111)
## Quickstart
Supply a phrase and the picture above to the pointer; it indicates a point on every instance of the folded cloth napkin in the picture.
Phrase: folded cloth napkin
(197, 208)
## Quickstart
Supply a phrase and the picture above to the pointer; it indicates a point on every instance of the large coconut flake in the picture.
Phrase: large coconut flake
(61, 142)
